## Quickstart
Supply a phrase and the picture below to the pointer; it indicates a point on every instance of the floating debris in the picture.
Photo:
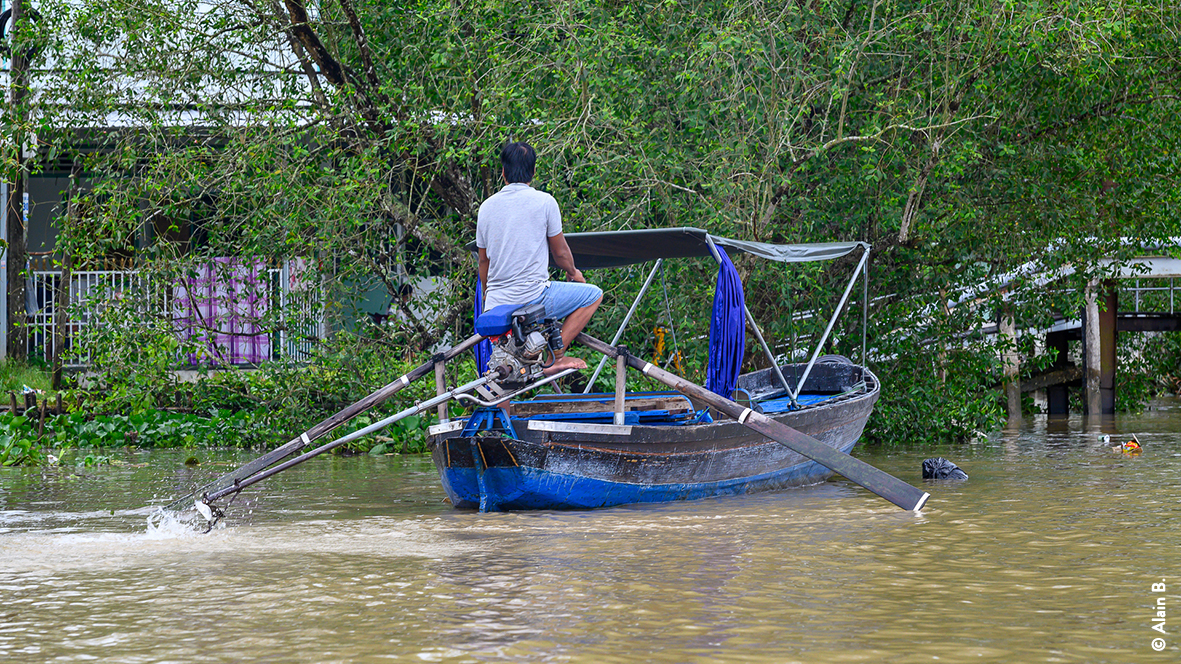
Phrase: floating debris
(1132, 447)
(939, 468)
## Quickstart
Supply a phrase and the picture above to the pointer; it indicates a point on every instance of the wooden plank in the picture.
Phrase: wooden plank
(673, 404)
(1068, 375)
(1148, 323)
(620, 388)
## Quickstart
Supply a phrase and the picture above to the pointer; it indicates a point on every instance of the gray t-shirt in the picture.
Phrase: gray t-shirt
(513, 226)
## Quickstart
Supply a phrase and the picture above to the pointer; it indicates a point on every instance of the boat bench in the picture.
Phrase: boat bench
(637, 407)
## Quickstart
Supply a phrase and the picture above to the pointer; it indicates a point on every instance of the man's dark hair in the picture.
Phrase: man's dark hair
(518, 160)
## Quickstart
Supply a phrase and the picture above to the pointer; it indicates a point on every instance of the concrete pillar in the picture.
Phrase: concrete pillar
(1007, 332)
(1039, 396)
(1107, 340)
(1091, 354)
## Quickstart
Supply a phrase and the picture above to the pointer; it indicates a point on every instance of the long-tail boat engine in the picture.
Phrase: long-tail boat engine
(519, 354)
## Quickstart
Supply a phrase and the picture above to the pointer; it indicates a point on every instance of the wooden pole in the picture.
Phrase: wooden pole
(1108, 337)
(620, 387)
(1058, 396)
(880, 482)
(41, 420)
(440, 388)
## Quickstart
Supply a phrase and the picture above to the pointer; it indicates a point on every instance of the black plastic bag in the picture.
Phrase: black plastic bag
(939, 468)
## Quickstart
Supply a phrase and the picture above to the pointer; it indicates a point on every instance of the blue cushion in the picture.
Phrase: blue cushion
(496, 320)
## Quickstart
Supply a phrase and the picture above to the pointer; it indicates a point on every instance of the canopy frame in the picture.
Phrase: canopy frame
(620, 248)
(596, 250)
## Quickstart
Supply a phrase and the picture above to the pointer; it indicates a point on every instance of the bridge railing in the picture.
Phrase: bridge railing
(1154, 295)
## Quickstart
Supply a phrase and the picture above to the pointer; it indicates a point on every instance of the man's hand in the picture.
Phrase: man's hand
(576, 275)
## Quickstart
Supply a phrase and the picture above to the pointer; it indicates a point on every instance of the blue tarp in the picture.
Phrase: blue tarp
(483, 349)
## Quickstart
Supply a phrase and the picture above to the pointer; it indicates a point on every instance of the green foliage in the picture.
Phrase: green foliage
(932, 400)
(406, 436)
(232, 409)
(1162, 355)
(63, 434)
(135, 354)
(18, 445)
(1135, 379)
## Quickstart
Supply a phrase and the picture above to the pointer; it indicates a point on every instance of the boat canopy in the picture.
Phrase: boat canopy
(727, 338)
(620, 248)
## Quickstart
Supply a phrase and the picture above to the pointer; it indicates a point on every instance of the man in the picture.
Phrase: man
(517, 229)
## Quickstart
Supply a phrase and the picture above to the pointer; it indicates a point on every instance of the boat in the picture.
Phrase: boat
(738, 434)
(583, 451)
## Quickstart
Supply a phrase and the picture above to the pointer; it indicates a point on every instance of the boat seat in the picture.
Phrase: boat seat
(497, 320)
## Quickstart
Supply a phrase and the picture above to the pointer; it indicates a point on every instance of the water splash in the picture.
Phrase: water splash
(166, 524)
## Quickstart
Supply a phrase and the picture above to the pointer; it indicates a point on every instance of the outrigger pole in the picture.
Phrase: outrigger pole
(878, 481)
(204, 502)
(322, 428)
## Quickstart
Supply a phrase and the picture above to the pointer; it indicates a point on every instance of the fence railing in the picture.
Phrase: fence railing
(298, 313)
(1152, 296)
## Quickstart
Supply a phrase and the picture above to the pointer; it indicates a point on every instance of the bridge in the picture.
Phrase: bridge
(1150, 287)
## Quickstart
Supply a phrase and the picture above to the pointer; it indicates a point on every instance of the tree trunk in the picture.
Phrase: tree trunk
(17, 255)
(17, 252)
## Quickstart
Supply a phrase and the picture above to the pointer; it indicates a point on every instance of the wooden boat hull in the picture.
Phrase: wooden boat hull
(575, 465)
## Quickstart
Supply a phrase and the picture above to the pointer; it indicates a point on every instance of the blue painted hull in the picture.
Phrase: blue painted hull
(552, 465)
(522, 488)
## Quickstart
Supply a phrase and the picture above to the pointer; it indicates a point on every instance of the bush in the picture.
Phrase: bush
(931, 401)
(1163, 359)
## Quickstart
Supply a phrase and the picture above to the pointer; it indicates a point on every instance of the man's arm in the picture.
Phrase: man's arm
(483, 254)
(564, 259)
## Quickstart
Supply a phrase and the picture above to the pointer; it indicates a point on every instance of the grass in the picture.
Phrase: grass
(15, 375)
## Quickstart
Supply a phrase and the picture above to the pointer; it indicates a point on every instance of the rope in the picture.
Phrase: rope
(676, 354)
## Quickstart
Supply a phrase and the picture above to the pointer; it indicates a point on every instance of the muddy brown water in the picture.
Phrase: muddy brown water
(1049, 553)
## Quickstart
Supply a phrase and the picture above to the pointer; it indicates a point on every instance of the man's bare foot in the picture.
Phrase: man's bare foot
(563, 363)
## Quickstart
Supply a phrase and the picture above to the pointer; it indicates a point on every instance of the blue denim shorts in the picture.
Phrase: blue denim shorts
(561, 298)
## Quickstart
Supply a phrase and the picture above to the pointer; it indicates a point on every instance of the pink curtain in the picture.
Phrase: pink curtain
(220, 306)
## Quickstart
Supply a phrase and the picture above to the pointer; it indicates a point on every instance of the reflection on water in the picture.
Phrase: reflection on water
(1047, 553)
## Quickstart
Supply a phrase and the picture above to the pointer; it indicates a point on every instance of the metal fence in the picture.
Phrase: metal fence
(304, 325)
(299, 311)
